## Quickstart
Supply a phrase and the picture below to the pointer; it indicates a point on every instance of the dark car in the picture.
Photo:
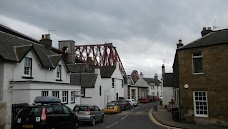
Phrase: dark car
(89, 113)
(124, 104)
(47, 113)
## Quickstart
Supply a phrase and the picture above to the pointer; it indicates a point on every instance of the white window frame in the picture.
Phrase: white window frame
(55, 93)
(44, 93)
(200, 103)
(72, 96)
(64, 96)
(58, 72)
(193, 65)
(27, 66)
(82, 92)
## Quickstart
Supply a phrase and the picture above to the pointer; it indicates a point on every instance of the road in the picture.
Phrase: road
(134, 118)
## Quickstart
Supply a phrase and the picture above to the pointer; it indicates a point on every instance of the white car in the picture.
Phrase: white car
(132, 102)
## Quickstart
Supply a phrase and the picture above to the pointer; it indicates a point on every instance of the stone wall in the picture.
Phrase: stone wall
(2, 114)
(213, 80)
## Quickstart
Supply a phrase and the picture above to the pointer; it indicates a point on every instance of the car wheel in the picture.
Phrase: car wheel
(102, 119)
(93, 122)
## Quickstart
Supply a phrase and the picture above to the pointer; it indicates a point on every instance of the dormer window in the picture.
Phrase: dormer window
(58, 73)
(27, 68)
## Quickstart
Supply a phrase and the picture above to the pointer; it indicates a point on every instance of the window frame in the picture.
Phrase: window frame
(113, 83)
(200, 101)
(27, 71)
(72, 97)
(55, 92)
(58, 72)
(44, 93)
(65, 97)
(194, 57)
(82, 92)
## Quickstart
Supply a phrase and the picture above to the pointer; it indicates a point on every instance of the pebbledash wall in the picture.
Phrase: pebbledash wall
(213, 80)
(19, 90)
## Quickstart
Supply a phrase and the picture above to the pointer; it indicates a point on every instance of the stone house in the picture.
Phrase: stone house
(29, 68)
(201, 71)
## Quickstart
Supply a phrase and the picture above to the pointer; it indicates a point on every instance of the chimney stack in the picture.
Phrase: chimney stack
(46, 41)
(67, 46)
(156, 76)
(180, 44)
(141, 75)
(206, 31)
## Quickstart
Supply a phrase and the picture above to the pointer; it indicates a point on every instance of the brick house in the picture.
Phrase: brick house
(201, 71)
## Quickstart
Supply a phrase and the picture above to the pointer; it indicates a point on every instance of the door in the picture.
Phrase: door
(117, 96)
(133, 96)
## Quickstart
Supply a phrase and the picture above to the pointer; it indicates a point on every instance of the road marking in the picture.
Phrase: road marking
(111, 125)
(132, 110)
(136, 107)
(124, 117)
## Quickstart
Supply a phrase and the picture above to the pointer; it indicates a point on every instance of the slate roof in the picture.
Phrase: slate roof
(213, 38)
(107, 71)
(86, 80)
(80, 68)
(13, 48)
(152, 80)
(168, 80)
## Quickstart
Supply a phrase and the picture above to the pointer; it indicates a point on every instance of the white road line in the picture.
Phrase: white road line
(124, 117)
(136, 107)
(111, 125)
(132, 110)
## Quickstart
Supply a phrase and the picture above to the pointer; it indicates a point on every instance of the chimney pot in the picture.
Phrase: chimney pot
(208, 28)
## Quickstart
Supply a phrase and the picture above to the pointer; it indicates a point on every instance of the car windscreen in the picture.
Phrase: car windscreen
(80, 108)
(31, 111)
(111, 104)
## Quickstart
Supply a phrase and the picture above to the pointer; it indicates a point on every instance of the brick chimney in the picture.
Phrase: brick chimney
(206, 31)
(180, 44)
(46, 41)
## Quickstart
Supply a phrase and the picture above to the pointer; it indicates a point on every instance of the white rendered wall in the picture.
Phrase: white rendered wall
(167, 95)
(39, 73)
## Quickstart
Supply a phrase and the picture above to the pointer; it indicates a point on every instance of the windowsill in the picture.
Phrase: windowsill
(65, 102)
(197, 73)
(86, 97)
(72, 102)
(27, 77)
(201, 115)
(59, 80)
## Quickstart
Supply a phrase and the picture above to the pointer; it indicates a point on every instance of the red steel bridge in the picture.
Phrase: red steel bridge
(101, 54)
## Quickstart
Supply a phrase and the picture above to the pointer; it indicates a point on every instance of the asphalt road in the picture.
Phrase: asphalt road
(134, 118)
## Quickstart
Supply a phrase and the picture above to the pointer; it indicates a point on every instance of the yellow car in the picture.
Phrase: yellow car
(112, 107)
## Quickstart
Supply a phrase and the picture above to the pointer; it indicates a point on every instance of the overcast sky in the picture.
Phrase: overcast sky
(145, 32)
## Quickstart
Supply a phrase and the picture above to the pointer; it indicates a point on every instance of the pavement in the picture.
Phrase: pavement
(163, 117)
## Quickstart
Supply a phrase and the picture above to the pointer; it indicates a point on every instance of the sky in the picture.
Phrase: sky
(144, 32)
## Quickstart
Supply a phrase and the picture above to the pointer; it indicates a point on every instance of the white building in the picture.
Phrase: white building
(168, 90)
(29, 69)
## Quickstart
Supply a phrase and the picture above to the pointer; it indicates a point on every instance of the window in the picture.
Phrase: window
(58, 73)
(100, 90)
(65, 96)
(200, 103)
(122, 83)
(82, 92)
(44, 93)
(72, 98)
(197, 62)
(113, 82)
(55, 93)
(28, 66)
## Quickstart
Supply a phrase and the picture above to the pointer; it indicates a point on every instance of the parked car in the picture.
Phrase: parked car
(89, 113)
(124, 105)
(157, 98)
(46, 113)
(144, 100)
(112, 107)
(132, 102)
(152, 98)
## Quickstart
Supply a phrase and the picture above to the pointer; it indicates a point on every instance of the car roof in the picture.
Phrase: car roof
(47, 99)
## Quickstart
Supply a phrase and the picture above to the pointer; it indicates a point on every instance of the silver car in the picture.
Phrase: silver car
(89, 113)
(132, 102)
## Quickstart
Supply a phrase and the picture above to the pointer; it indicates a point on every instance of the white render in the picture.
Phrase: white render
(92, 95)
(25, 92)
(167, 95)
